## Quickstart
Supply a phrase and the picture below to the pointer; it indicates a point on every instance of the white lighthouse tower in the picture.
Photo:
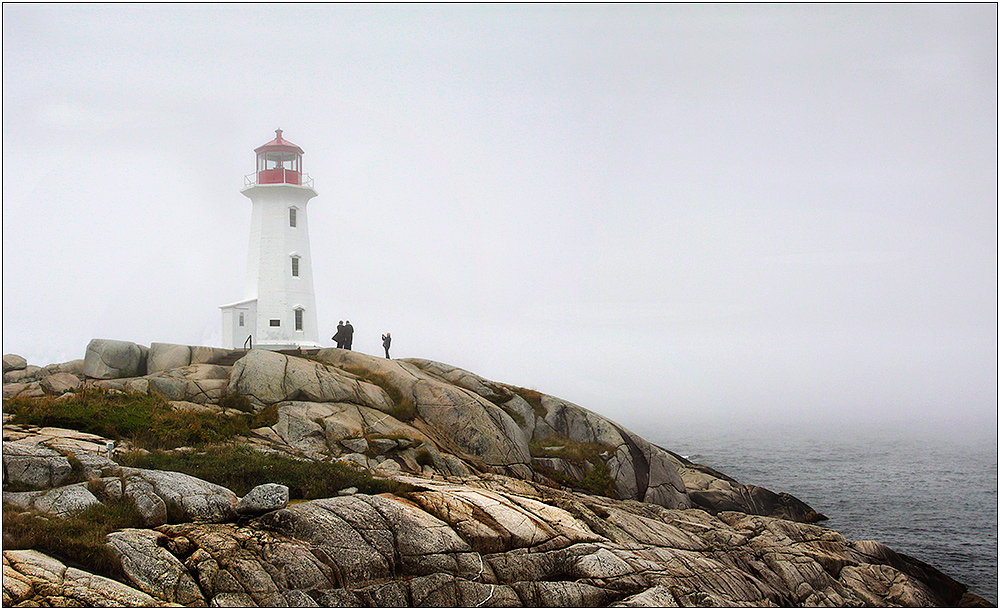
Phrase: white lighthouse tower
(278, 310)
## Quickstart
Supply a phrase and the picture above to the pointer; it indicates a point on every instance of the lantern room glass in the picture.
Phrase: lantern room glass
(279, 159)
(279, 167)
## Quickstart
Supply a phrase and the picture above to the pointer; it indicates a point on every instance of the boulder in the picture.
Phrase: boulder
(166, 356)
(73, 367)
(176, 497)
(59, 502)
(263, 498)
(13, 362)
(34, 466)
(25, 375)
(110, 359)
(32, 578)
(387, 468)
(355, 459)
(10, 390)
(148, 503)
(60, 383)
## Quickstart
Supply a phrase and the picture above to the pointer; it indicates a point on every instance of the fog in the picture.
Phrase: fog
(672, 215)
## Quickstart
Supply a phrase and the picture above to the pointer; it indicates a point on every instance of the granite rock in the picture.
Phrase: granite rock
(263, 498)
(478, 519)
(166, 356)
(512, 543)
(33, 579)
(34, 466)
(111, 359)
(13, 362)
(60, 383)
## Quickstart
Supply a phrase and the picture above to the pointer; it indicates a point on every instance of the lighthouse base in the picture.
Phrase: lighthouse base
(240, 329)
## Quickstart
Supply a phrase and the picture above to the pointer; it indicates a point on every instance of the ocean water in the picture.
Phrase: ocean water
(934, 500)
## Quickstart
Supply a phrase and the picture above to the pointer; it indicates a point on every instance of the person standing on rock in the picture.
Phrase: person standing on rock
(386, 341)
(348, 335)
(339, 337)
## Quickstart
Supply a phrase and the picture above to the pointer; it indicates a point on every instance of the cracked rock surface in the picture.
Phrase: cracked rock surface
(511, 498)
(496, 542)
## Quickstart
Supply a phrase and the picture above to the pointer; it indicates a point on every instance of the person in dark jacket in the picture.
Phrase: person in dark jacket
(386, 341)
(339, 337)
(348, 335)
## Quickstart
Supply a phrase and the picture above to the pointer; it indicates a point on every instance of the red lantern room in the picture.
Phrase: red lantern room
(279, 162)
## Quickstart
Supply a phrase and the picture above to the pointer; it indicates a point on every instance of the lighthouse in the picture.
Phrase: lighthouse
(278, 309)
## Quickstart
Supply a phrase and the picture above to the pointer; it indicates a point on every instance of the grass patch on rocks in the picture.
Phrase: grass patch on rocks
(532, 397)
(147, 420)
(588, 457)
(78, 539)
(403, 409)
(241, 468)
(266, 417)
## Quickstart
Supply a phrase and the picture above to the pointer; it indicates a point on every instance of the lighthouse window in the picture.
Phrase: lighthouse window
(241, 318)
(275, 322)
(298, 319)
(291, 217)
(295, 266)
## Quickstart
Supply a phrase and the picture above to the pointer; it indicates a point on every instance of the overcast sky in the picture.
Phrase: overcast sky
(678, 215)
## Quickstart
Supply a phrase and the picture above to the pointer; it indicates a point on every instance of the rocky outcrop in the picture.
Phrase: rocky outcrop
(509, 497)
(51, 461)
(499, 541)
(267, 378)
(422, 417)
(492, 541)
(455, 417)
(89, 450)
(154, 569)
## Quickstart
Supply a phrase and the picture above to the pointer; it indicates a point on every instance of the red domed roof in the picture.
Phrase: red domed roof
(278, 143)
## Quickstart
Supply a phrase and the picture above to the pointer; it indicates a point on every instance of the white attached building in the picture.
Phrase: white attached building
(278, 309)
